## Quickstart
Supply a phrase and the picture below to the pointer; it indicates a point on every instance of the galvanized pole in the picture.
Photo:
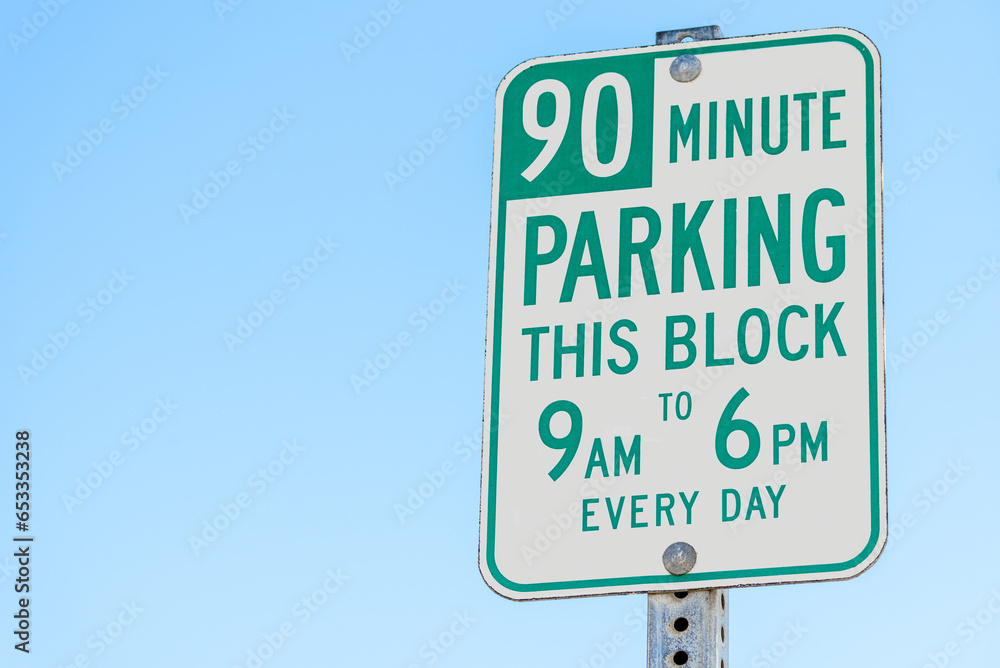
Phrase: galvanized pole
(687, 628)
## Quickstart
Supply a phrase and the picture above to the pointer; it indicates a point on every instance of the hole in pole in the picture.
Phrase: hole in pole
(680, 658)
(680, 594)
(722, 630)
(723, 601)
(680, 624)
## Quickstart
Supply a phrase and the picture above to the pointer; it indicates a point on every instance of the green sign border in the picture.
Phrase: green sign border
(873, 349)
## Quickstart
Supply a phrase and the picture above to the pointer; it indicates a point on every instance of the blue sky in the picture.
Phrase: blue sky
(219, 251)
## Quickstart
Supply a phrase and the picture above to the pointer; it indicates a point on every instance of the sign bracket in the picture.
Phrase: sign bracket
(695, 35)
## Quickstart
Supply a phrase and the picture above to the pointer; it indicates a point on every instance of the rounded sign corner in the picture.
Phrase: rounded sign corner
(861, 42)
(872, 553)
(515, 72)
(857, 35)
(493, 579)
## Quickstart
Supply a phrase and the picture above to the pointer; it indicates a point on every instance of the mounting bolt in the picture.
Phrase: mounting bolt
(679, 558)
(685, 68)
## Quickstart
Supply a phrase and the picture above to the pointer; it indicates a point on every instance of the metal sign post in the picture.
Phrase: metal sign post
(686, 628)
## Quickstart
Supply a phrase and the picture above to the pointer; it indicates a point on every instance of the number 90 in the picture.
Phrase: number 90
(554, 133)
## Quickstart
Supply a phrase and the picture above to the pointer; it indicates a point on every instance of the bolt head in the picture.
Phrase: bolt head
(685, 68)
(679, 558)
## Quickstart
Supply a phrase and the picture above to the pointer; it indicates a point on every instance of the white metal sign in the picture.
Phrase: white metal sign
(685, 339)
